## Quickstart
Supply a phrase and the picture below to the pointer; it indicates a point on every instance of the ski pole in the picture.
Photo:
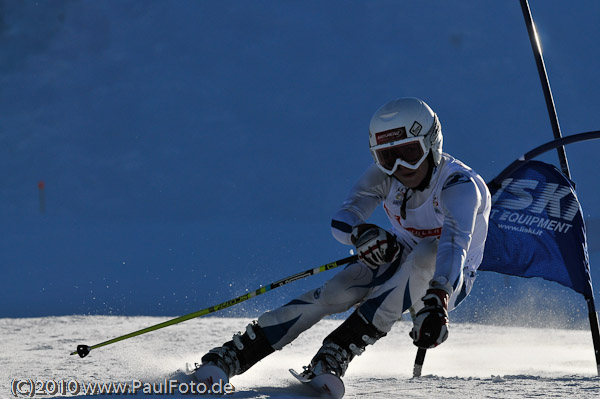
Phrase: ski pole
(84, 350)
(421, 352)
(419, 360)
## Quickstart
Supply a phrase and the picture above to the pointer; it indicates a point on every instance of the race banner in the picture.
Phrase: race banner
(537, 229)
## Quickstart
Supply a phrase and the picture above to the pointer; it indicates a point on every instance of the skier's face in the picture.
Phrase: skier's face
(412, 178)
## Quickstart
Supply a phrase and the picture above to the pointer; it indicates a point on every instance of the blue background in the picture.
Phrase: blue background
(192, 150)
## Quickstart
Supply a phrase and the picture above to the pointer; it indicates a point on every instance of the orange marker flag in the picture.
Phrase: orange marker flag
(41, 186)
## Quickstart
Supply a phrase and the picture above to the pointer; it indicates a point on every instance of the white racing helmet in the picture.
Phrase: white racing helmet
(403, 132)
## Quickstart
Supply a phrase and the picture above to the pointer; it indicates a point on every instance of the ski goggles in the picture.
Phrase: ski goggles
(409, 153)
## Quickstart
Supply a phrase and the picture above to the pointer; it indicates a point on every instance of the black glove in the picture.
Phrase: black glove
(374, 245)
(430, 326)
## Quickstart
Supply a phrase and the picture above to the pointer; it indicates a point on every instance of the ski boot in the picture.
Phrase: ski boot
(339, 348)
(330, 359)
(323, 373)
(234, 357)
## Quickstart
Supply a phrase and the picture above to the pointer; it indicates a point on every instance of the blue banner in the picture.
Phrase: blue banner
(537, 229)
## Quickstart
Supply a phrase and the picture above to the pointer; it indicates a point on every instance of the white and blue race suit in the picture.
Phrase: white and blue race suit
(441, 230)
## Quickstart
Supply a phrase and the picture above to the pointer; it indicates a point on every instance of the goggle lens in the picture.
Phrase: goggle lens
(410, 153)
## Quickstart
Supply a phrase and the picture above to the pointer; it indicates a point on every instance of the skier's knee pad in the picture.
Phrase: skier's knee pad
(423, 256)
(345, 289)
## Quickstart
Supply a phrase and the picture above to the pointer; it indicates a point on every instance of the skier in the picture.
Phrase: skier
(438, 208)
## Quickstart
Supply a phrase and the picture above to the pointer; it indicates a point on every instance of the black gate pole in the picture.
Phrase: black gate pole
(562, 155)
(536, 46)
(593, 316)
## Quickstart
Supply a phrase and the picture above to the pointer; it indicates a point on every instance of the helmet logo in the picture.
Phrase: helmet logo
(390, 135)
(416, 128)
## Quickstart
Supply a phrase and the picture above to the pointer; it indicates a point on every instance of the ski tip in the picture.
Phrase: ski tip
(181, 376)
(298, 376)
(329, 385)
(210, 374)
(191, 368)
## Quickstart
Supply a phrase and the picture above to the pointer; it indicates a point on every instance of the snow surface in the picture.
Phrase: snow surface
(477, 361)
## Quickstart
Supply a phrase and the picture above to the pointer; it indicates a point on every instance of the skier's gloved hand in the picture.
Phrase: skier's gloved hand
(430, 326)
(374, 245)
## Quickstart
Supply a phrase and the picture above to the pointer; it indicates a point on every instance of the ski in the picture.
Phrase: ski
(208, 374)
(327, 385)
